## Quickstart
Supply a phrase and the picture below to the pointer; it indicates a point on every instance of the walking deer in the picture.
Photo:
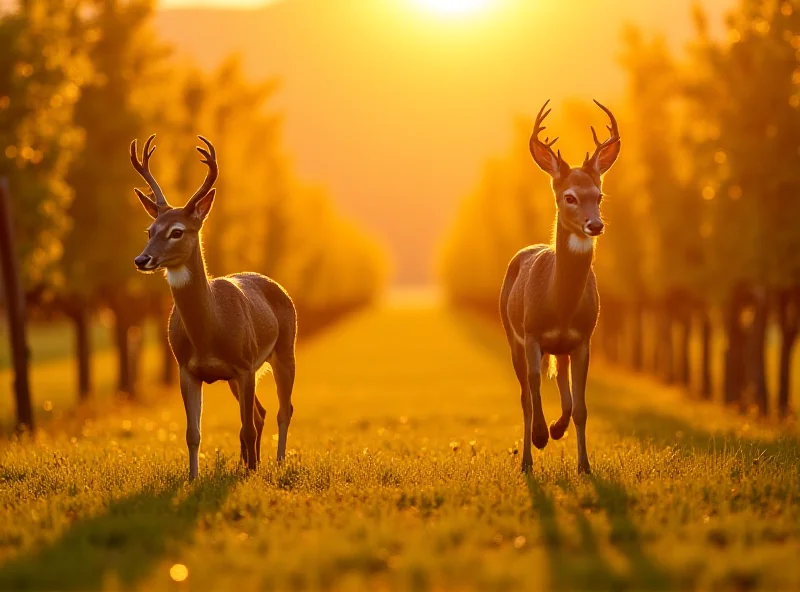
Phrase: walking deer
(225, 328)
(549, 302)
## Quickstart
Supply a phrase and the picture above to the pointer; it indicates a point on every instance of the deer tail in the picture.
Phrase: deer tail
(549, 366)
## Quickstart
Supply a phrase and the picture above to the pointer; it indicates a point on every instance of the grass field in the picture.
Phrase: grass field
(404, 473)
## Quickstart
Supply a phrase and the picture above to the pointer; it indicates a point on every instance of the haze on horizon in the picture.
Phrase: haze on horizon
(395, 109)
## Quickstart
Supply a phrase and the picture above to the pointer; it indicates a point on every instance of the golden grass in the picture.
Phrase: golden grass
(403, 473)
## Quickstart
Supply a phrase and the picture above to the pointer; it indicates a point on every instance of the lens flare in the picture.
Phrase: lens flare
(453, 7)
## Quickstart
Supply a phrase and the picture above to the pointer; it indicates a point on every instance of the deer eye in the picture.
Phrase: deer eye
(176, 233)
(570, 199)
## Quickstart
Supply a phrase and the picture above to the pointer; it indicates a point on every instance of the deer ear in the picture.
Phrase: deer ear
(545, 158)
(606, 158)
(202, 206)
(149, 205)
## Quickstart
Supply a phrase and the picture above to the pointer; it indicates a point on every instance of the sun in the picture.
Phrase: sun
(454, 7)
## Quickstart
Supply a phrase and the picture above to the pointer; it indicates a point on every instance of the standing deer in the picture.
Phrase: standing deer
(549, 302)
(225, 328)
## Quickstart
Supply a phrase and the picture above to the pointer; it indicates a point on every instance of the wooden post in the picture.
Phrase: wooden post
(15, 308)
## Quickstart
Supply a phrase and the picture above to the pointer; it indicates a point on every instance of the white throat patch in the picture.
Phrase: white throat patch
(178, 277)
(580, 245)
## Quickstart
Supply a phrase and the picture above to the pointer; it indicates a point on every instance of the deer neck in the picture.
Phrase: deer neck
(574, 255)
(191, 292)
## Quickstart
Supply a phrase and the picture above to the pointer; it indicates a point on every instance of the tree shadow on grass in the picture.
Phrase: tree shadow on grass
(124, 544)
(663, 429)
(584, 566)
(643, 573)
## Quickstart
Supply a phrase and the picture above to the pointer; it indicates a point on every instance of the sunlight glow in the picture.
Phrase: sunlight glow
(454, 7)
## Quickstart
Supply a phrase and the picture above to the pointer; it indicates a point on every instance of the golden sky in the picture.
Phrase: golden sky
(395, 105)
(223, 3)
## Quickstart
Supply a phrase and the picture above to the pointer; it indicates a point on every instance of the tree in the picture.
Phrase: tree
(748, 100)
(41, 72)
(42, 69)
(117, 105)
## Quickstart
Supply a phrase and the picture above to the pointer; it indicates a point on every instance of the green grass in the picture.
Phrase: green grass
(404, 473)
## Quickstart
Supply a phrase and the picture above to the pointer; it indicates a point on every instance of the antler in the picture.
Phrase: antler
(143, 168)
(209, 158)
(539, 128)
(612, 139)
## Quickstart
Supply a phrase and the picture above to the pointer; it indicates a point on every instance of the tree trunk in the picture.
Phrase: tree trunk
(127, 338)
(611, 334)
(666, 348)
(168, 359)
(684, 349)
(654, 330)
(134, 358)
(168, 365)
(788, 317)
(734, 353)
(637, 338)
(83, 348)
(706, 387)
(756, 351)
(15, 308)
(121, 329)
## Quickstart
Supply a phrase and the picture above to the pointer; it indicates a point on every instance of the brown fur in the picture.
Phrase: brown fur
(220, 329)
(549, 302)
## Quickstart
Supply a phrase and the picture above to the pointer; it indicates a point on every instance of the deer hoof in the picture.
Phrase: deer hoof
(540, 438)
(584, 468)
(557, 429)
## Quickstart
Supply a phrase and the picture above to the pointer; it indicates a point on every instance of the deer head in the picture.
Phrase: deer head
(578, 191)
(175, 232)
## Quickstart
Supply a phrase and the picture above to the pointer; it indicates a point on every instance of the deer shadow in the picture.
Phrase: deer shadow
(584, 566)
(125, 543)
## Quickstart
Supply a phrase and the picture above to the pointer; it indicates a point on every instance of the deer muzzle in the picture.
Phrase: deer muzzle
(145, 263)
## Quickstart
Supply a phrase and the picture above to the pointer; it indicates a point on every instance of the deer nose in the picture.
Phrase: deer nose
(594, 227)
(143, 261)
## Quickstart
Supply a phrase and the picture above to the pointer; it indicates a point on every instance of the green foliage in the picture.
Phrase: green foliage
(707, 188)
(265, 219)
(746, 97)
(42, 70)
(115, 107)
(406, 483)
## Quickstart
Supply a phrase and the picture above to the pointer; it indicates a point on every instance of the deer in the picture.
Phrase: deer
(549, 303)
(226, 328)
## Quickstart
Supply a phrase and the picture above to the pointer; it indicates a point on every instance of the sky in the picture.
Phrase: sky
(394, 106)
(223, 3)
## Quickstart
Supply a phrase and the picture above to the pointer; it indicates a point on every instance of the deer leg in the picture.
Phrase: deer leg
(283, 368)
(520, 367)
(192, 393)
(249, 434)
(558, 427)
(258, 415)
(533, 357)
(234, 386)
(580, 370)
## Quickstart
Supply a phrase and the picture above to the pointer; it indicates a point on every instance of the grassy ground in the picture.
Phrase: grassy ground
(404, 473)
